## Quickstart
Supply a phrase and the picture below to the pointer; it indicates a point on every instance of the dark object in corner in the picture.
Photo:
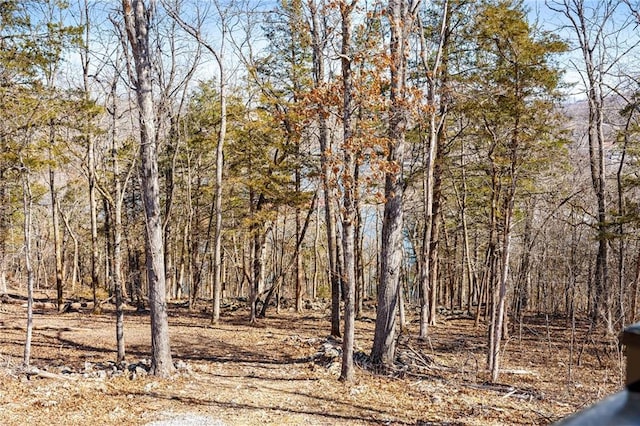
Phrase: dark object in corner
(623, 408)
(620, 409)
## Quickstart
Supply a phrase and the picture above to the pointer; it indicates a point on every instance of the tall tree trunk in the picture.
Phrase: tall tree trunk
(428, 271)
(55, 225)
(257, 269)
(4, 200)
(93, 210)
(589, 24)
(222, 134)
(426, 268)
(621, 229)
(469, 270)
(402, 312)
(349, 188)
(435, 237)
(383, 351)
(258, 242)
(196, 33)
(27, 202)
(603, 292)
(117, 265)
(91, 166)
(502, 292)
(316, 258)
(51, 74)
(298, 268)
(217, 234)
(634, 290)
(521, 296)
(117, 201)
(499, 301)
(108, 232)
(318, 44)
(137, 20)
(359, 234)
(169, 189)
(76, 250)
(490, 270)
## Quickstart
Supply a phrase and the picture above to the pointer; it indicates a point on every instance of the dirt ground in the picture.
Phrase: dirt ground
(285, 371)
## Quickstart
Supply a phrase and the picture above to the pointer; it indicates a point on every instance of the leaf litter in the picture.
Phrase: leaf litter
(285, 371)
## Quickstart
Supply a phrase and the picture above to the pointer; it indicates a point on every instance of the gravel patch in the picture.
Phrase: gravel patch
(188, 420)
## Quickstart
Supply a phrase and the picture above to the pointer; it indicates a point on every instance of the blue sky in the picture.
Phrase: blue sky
(538, 12)
(623, 38)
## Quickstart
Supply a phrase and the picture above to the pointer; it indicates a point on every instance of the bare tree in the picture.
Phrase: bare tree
(596, 28)
(27, 203)
(218, 53)
(349, 189)
(85, 58)
(401, 14)
(51, 72)
(318, 44)
(115, 199)
(436, 116)
(137, 18)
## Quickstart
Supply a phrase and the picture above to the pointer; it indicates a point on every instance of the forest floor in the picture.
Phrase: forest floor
(285, 369)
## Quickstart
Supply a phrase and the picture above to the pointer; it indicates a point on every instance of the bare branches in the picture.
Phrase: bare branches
(195, 30)
(635, 10)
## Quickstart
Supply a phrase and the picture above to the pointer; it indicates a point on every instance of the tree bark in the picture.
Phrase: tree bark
(93, 209)
(502, 293)
(428, 252)
(634, 291)
(383, 351)
(74, 266)
(91, 159)
(348, 199)
(258, 241)
(55, 225)
(137, 20)
(117, 201)
(298, 268)
(117, 268)
(318, 44)
(4, 200)
(359, 286)
(27, 210)
(435, 241)
(217, 234)
(592, 41)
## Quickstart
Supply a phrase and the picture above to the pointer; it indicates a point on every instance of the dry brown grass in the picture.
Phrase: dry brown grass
(266, 374)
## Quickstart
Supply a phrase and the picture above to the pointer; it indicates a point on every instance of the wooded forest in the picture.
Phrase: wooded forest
(421, 157)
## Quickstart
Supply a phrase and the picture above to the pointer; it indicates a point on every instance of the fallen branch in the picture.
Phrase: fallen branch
(44, 328)
(509, 391)
(425, 362)
(405, 372)
(35, 372)
(417, 360)
(107, 300)
(519, 372)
